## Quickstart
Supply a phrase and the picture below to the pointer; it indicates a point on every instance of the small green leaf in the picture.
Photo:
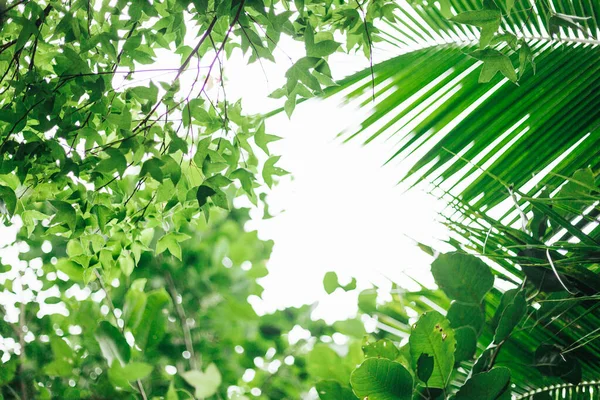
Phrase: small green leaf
(381, 379)
(330, 282)
(262, 139)
(205, 383)
(488, 20)
(494, 62)
(270, 170)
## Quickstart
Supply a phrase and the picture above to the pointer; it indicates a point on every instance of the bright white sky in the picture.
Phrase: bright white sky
(341, 210)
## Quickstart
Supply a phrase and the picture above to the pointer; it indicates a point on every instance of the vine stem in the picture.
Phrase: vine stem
(111, 305)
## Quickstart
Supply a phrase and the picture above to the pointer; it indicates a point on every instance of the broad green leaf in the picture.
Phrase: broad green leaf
(333, 390)
(485, 386)
(550, 360)
(512, 314)
(324, 363)
(112, 343)
(152, 167)
(151, 330)
(136, 370)
(433, 335)
(464, 314)
(466, 343)
(381, 379)
(462, 277)
(135, 304)
(206, 383)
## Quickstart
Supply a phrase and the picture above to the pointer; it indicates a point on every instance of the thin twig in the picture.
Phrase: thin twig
(187, 335)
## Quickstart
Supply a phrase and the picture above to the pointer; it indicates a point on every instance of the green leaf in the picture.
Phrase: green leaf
(169, 242)
(114, 162)
(203, 193)
(367, 301)
(152, 167)
(333, 390)
(73, 270)
(205, 383)
(171, 393)
(381, 379)
(464, 314)
(270, 170)
(113, 345)
(126, 263)
(151, 331)
(462, 277)
(425, 367)
(324, 363)
(512, 314)
(485, 386)
(494, 62)
(550, 360)
(466, 343)
(330, 282)
(525, 58)
(558, 20)
(8, 201)
(262, 139)
(64, 213)
(433, 335)
(136, 370)
(319, 49)
(246, 179)
(383, 348)
(135, 304)
(488, 20)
